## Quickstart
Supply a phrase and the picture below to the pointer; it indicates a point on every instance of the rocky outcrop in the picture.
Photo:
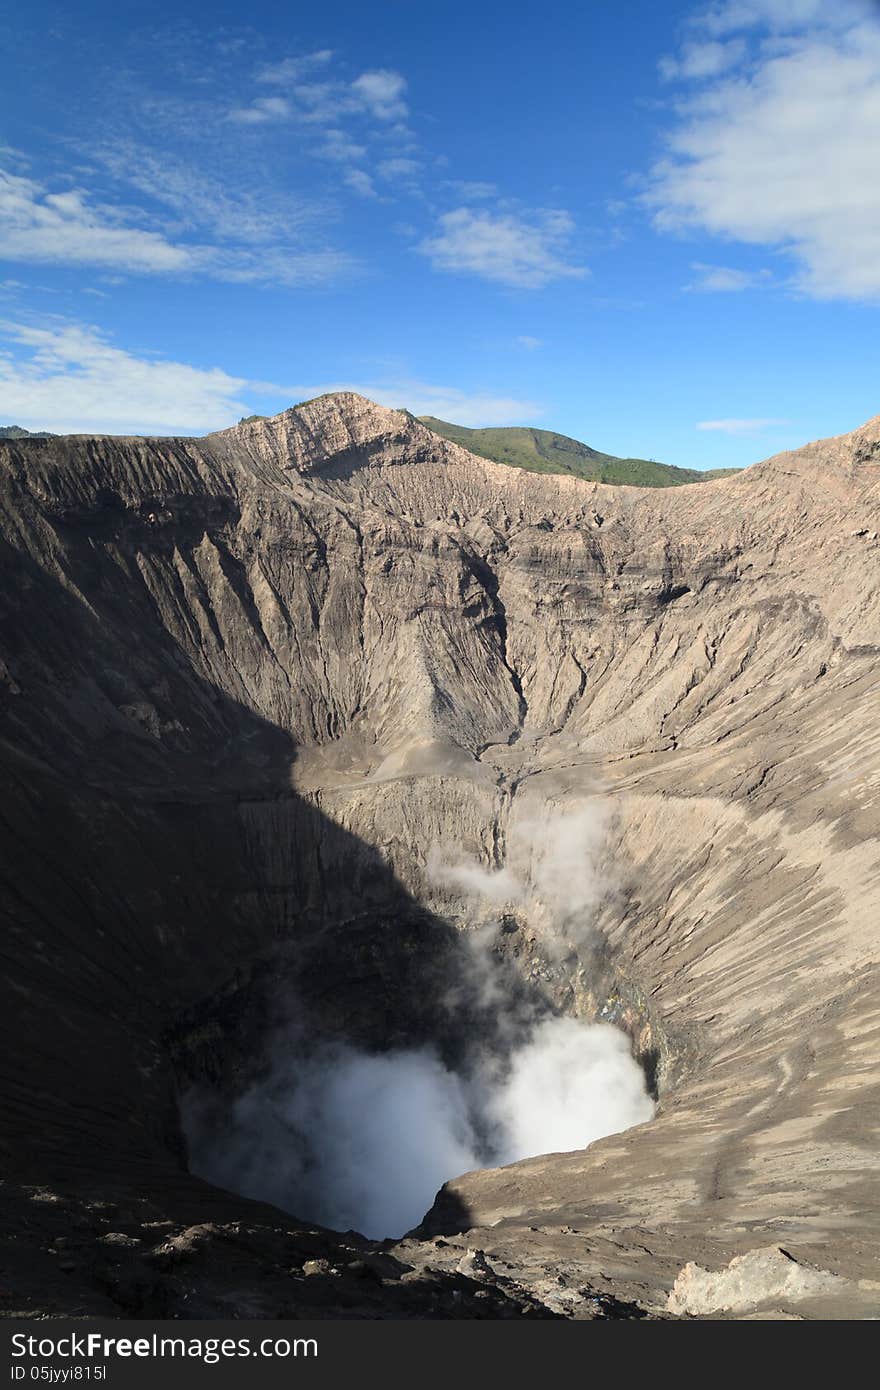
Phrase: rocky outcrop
(248, 680)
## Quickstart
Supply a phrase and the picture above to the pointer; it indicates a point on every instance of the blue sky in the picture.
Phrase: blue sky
(653, 227)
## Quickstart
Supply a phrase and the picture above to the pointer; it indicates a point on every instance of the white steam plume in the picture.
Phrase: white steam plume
(362, 1141)
(572, 1083)
(345, 1138)
(550, 871)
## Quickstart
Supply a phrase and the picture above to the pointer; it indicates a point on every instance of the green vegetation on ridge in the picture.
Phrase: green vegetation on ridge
(543, 451)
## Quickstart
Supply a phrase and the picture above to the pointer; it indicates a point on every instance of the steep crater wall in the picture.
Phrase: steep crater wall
(245, 691)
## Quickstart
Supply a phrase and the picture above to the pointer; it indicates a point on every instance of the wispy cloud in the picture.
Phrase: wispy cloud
(237, 219)
(236, 215)
(290, 70)
(784, 153)
(530, 344)
(736, 427)
(707, 59)
(399, 168)
(346, 123)
(526, 252)
(231, 210)
(281, 266)
(377, 94)
(471, 408)
(65, 229)
(723, 279)
(262, 110)
(70, 228)
(779, 16)
(361, 183)
(338, 147)
(381, 92)
(471, 190)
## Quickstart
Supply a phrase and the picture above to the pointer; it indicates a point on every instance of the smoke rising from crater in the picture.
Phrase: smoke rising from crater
(345, 1138)
(363, 1140)
(549, 874)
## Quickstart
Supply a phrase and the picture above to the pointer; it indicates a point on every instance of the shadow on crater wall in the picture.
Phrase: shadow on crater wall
(167, 894)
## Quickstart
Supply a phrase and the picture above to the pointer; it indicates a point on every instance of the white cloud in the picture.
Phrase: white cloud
(472, 190)
(529, 343)
(291, 70)
(707, 59)
(726, 279)
(279, 265)
(323, 103)
(337, 147)
(67, 378)
(399, 168)
(348, 117)
(785, 154)
(448, 403)
(376, 95)
(360, 182)
(261, 110)
(63, 229)
(736, 427)
(780, 16)
(232, 209)
(381, 92)
(504, 247)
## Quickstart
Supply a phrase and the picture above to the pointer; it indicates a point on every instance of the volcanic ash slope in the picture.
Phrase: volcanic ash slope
(248, 681)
